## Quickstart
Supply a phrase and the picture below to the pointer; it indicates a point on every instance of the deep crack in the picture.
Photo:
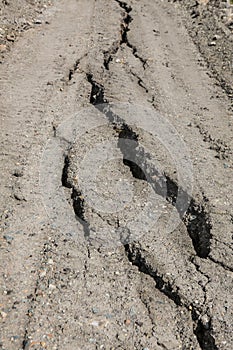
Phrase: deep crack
(76, 197)
(204, 337)
(195, 218)
(135, 257)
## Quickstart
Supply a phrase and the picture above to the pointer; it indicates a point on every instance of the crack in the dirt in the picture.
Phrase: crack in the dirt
(204, 337)
(25, 342)
(135, 257)
(195, 218)
(221, 263)
(198, 269)
(139, 81)
(202, 332)
(199, 227)
(73, 70)
(76, 197)
(127, 19)
(108, 55)
(228, 245)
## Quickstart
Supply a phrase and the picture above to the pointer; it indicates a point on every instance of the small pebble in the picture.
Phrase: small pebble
(2, 48)
(92, 340)
(37, 21)
(127, 322)
(3, 315)
(50, 262)
(15, 337)
(42, 274)
(10, 37)
(52, 286)
(95, 310)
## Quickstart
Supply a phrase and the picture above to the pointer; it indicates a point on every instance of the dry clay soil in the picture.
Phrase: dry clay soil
(80, 276)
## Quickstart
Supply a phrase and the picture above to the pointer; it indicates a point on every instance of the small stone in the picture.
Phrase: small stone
(43, 274)
(37, 21)
(52, 286)
(10, 37)
(50, 262)
(92, 340)
(205, 321)
(2, 48)
(95, 310)
(127, 322)
(3, 315)
(212, 43)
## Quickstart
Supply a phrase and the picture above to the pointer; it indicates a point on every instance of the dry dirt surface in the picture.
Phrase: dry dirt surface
(17, 16)
(116, 187)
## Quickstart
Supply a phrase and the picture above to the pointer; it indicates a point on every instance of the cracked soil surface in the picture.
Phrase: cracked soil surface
(109, 289)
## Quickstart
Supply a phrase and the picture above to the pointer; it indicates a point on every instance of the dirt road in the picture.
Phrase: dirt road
(112, 275)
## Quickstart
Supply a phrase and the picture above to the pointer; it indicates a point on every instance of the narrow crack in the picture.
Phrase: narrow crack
(76, 197)
(26, 341)
(127, 19)
(136, 258)
(73, 70)
(108, 55)
(139, 81)
(201, 331)
(221, 263)
(198, 269)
